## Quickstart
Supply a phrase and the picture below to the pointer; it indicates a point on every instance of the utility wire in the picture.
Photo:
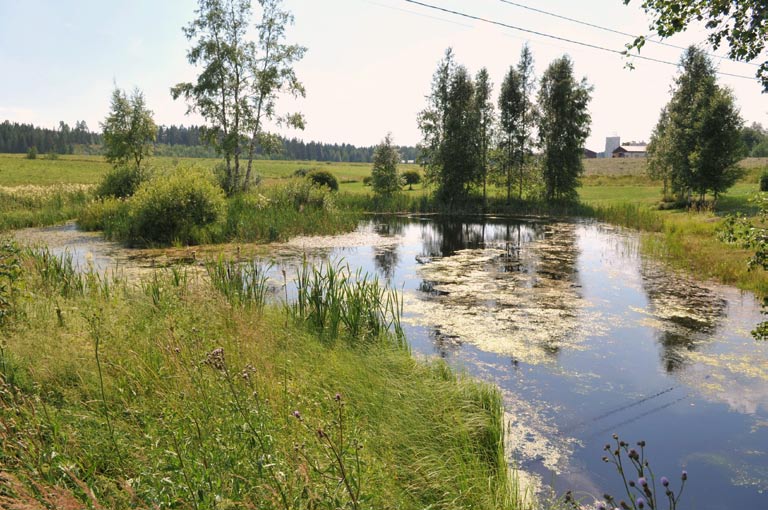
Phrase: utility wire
(558, 38)
(614, 31)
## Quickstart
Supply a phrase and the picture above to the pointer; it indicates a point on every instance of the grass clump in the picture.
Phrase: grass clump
(166, 396)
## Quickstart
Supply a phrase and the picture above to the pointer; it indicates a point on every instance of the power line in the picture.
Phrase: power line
(558, 38)
(614, 31)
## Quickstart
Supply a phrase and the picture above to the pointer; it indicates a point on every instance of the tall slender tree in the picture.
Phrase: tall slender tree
(485, 121)
(564, 124)
(516, 119)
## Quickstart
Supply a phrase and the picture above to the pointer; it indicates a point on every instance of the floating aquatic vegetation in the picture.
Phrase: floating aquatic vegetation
(523, 302)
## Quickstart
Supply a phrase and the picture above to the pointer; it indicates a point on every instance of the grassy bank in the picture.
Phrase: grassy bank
(171, 394)
(37, 206)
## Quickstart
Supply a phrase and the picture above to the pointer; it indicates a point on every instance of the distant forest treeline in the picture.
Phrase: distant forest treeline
(177, 141)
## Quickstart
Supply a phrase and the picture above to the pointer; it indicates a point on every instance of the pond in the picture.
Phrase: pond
(585, 337)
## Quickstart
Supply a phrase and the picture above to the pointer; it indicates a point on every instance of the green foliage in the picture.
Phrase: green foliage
(32, 153)
(742, 24)
(384, 178)
(450, 127)
(411, 177)
(324, 178)
(564, 125)
(764, 180)
(34, 206)
(367, 180)
(243, 284)
(202, 404)
(121, 182)
(10, 281)
(129, 130)
(516, 119)
(241, 80)
(696, 144)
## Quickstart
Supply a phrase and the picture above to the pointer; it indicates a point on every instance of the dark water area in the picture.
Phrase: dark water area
(587, 338)
(584, 336)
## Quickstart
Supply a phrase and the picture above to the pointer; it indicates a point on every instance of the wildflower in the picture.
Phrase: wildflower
(633, 454)
(631, 483)
(665, 481)
(642, 481)
(684, 475)
(600, 506)
(640, 502)
(215, 358)
(297, 415)
(337, 398)
(321, 433)
(641, 444)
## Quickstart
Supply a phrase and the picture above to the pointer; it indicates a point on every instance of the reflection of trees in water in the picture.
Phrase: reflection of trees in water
(445, 345)
(385, 258)
(523, 276)
(391, 226)
(689, 313)
(445, 238)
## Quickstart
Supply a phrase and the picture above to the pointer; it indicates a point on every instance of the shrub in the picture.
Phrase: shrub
(411, 177)
(324, 178)
(764, 180)
(367, 180)
(181, 207)
(110, 215)
(52, 156)
(32, 153)
(302, 172)
(121, 182)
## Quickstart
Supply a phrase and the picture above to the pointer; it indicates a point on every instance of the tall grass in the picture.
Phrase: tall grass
(244, 284)
(34, 206)
(190, 402)
(335, 302)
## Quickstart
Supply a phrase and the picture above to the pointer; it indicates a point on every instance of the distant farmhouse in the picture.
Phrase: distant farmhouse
(615, 149)
(588, 154)
(639, 150)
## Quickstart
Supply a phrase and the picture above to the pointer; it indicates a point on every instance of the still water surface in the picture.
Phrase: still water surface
(584, 336)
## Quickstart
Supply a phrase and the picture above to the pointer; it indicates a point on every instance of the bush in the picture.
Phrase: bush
(411, 177)
(181, 207)
(764, 180)
(324, 178)
(32, 153)
(302, 172)
(121, 182)
(367, 180)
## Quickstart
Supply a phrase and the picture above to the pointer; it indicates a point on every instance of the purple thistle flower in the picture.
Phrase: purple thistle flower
(640, 502)
(296, 415)
(684, 475)
(665, 481)
(642, 481)
(337, 398)
(600, 506)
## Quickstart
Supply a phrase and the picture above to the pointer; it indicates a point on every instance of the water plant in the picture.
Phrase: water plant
(334, 300)
(244, 284)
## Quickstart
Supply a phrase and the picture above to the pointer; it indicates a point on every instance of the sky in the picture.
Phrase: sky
(367, 70)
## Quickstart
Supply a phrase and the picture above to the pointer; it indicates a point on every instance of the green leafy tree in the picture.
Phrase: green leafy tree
(129, 131)
(516, 120)
(411, 177)
(742, 24)
(240, 81)
(564, 123)
(450, 126)
(485, 122)
(697, 142)
(32, 153)
(385, 180)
